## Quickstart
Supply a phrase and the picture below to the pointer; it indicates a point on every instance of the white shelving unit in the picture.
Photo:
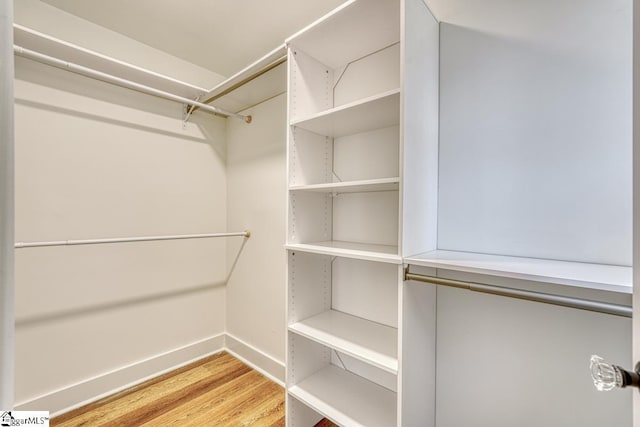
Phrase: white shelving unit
(344, 261)
(356, 122)
(376, 179)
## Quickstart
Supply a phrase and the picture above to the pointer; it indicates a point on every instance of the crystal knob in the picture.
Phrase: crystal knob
(607, 377)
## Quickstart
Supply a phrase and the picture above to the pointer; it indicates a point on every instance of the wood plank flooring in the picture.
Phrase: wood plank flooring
(216, 391)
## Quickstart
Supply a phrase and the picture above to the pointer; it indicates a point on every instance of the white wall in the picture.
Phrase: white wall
(256, 177)
(92, 161)
(7, 355)
(503, 362)
(535, 130)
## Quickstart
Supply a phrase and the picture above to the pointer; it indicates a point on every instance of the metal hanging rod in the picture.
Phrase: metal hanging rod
(582, 304)
(20, 245)
(262, 66)
(99, 75)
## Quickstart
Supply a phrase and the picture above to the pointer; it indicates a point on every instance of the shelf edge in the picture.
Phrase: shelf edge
(345, 107)
(344, 253)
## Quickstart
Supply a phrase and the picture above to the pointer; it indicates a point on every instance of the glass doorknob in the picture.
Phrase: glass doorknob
(607, 377)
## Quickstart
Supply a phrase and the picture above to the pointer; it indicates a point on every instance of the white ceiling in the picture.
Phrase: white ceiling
(221, 35)
(226, 35)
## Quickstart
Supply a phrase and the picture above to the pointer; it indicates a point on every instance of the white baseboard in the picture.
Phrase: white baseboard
(257, 359)
(69, 398)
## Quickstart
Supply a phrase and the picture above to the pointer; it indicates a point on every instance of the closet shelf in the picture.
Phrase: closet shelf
(362, 186)
(375, 112)
(259, 81)
(347, 399)
(362, 339)
(37, 41)
(363, 251)
(346, 32)
(579, 274)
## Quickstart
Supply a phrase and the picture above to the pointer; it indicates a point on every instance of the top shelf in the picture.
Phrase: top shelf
(359, 27)
(592, 276)
(375, 112)
(34, 40)
(260, 80)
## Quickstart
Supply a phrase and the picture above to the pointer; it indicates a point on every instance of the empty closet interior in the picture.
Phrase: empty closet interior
(325, 205)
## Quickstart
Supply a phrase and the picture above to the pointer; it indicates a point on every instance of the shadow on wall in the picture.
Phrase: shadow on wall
(264, 138)
(93, 309)
(130, 302)
(108, 120)
(235, 260)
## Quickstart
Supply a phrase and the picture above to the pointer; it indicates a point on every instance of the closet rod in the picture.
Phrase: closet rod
(582, 304)
(20, 245)
(99, 75)
(262, 66)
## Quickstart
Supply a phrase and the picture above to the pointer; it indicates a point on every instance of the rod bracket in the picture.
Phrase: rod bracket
(187, 111)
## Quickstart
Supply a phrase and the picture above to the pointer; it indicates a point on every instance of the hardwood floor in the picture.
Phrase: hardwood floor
(216, 391)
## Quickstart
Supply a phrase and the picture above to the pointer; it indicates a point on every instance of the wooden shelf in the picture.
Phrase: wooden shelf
(353, 30)
(593, 276)
(363, 186)
(367, 341)
(375, 112)
(347, 399)
(363, 251)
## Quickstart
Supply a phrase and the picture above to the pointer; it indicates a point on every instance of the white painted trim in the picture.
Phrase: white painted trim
(257, 359)
(635, 341)
(7, 207)
(90, 390)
